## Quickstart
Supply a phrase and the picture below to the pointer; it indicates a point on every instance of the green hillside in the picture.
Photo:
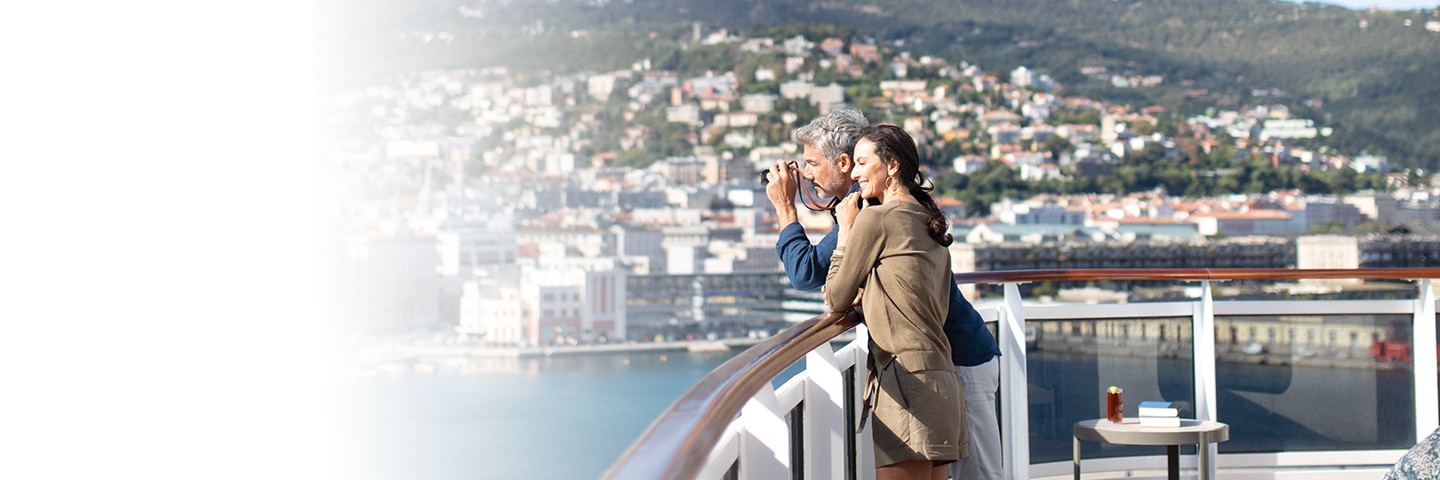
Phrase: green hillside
(1365, 73)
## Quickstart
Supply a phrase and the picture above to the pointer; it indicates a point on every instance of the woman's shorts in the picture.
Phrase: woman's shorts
(919, 416)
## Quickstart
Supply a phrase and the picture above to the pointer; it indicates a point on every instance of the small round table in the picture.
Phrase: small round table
(1200, 433)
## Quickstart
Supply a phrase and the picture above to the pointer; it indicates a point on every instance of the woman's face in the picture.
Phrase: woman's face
(870, 171)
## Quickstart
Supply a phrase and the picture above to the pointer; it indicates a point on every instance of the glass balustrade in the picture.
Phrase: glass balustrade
(1333, 381)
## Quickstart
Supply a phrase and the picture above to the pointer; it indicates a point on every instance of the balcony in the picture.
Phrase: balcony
(1320, 387)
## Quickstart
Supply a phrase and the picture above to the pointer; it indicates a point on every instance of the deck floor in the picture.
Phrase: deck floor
(1246, 473)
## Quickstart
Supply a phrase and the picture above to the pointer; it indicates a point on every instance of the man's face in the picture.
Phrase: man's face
(831, 179)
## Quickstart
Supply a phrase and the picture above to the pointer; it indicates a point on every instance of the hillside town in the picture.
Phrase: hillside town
(516, 210)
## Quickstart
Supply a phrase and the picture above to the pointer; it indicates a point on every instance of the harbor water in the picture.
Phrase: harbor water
(571, 417)
(566, 417)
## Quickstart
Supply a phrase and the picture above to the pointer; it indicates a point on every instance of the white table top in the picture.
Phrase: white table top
(1129, 432)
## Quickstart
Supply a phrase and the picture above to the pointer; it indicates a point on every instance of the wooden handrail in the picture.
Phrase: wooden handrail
(677, 443)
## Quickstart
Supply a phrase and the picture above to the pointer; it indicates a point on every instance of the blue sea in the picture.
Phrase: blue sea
(544, 418)
(572, 417)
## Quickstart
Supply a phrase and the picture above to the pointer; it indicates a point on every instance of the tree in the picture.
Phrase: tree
(1057, 145)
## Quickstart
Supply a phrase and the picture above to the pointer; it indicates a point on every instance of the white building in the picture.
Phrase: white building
(758, 103)
(1005, 134)
(571, 299)
(1327, 251)
(796, 45)
(682, 259)
(737, 120)
(688, 113)
(1025, 213)
(1370, 163)
(796, 89)
(493, 314)
(969, 163)
(764, 75)
(390, 284)
(588, 240)
(946, 124)
(465, 246)
(538, 96)
(827, 96)
(1288, 128)
(1022, 77)
(600, 86)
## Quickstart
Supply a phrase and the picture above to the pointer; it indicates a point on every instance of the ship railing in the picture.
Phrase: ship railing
(735, 424)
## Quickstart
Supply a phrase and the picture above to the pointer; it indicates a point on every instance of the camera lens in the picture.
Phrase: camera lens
(764, 177)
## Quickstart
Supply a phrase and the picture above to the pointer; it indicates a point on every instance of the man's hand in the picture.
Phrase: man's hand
(781, 190)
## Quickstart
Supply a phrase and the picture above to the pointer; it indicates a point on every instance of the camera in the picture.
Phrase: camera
(765, 174)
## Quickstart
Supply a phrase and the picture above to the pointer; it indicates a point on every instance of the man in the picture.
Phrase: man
(828, 143)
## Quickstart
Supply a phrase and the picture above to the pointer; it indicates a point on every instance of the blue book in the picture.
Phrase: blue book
(1155, 408)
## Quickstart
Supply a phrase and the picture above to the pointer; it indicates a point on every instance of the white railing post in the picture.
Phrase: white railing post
(1203, 341)
(1014, 387)
(864, 442)
(765, 445)
(724, 455)
(824, 415)
(1424, 355)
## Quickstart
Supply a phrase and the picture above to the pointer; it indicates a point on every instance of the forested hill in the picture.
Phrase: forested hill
(1372, 75)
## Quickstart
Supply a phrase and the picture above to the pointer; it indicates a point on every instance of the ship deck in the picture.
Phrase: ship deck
(1275, 367)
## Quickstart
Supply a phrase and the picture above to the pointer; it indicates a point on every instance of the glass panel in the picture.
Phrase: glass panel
(1072, 362)
(796, 421)
(1315, 382)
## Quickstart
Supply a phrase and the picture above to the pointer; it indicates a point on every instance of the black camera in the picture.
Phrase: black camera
(765, 174)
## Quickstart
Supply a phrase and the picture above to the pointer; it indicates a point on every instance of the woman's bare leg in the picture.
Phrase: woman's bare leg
(910, 470)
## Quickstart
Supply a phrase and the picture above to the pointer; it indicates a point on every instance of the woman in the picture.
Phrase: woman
(895, 247)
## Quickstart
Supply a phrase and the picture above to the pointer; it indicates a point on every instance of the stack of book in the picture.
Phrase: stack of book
(1159, 414)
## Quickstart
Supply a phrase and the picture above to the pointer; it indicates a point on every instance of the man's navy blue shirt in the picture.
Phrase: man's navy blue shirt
(971, 343)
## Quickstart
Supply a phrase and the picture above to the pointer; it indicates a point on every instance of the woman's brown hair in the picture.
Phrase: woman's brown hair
(892, 144)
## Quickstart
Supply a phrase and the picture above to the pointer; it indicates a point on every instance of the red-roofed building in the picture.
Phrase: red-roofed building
(953, 209)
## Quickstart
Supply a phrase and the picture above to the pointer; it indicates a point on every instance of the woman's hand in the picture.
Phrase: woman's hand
(845, 214)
